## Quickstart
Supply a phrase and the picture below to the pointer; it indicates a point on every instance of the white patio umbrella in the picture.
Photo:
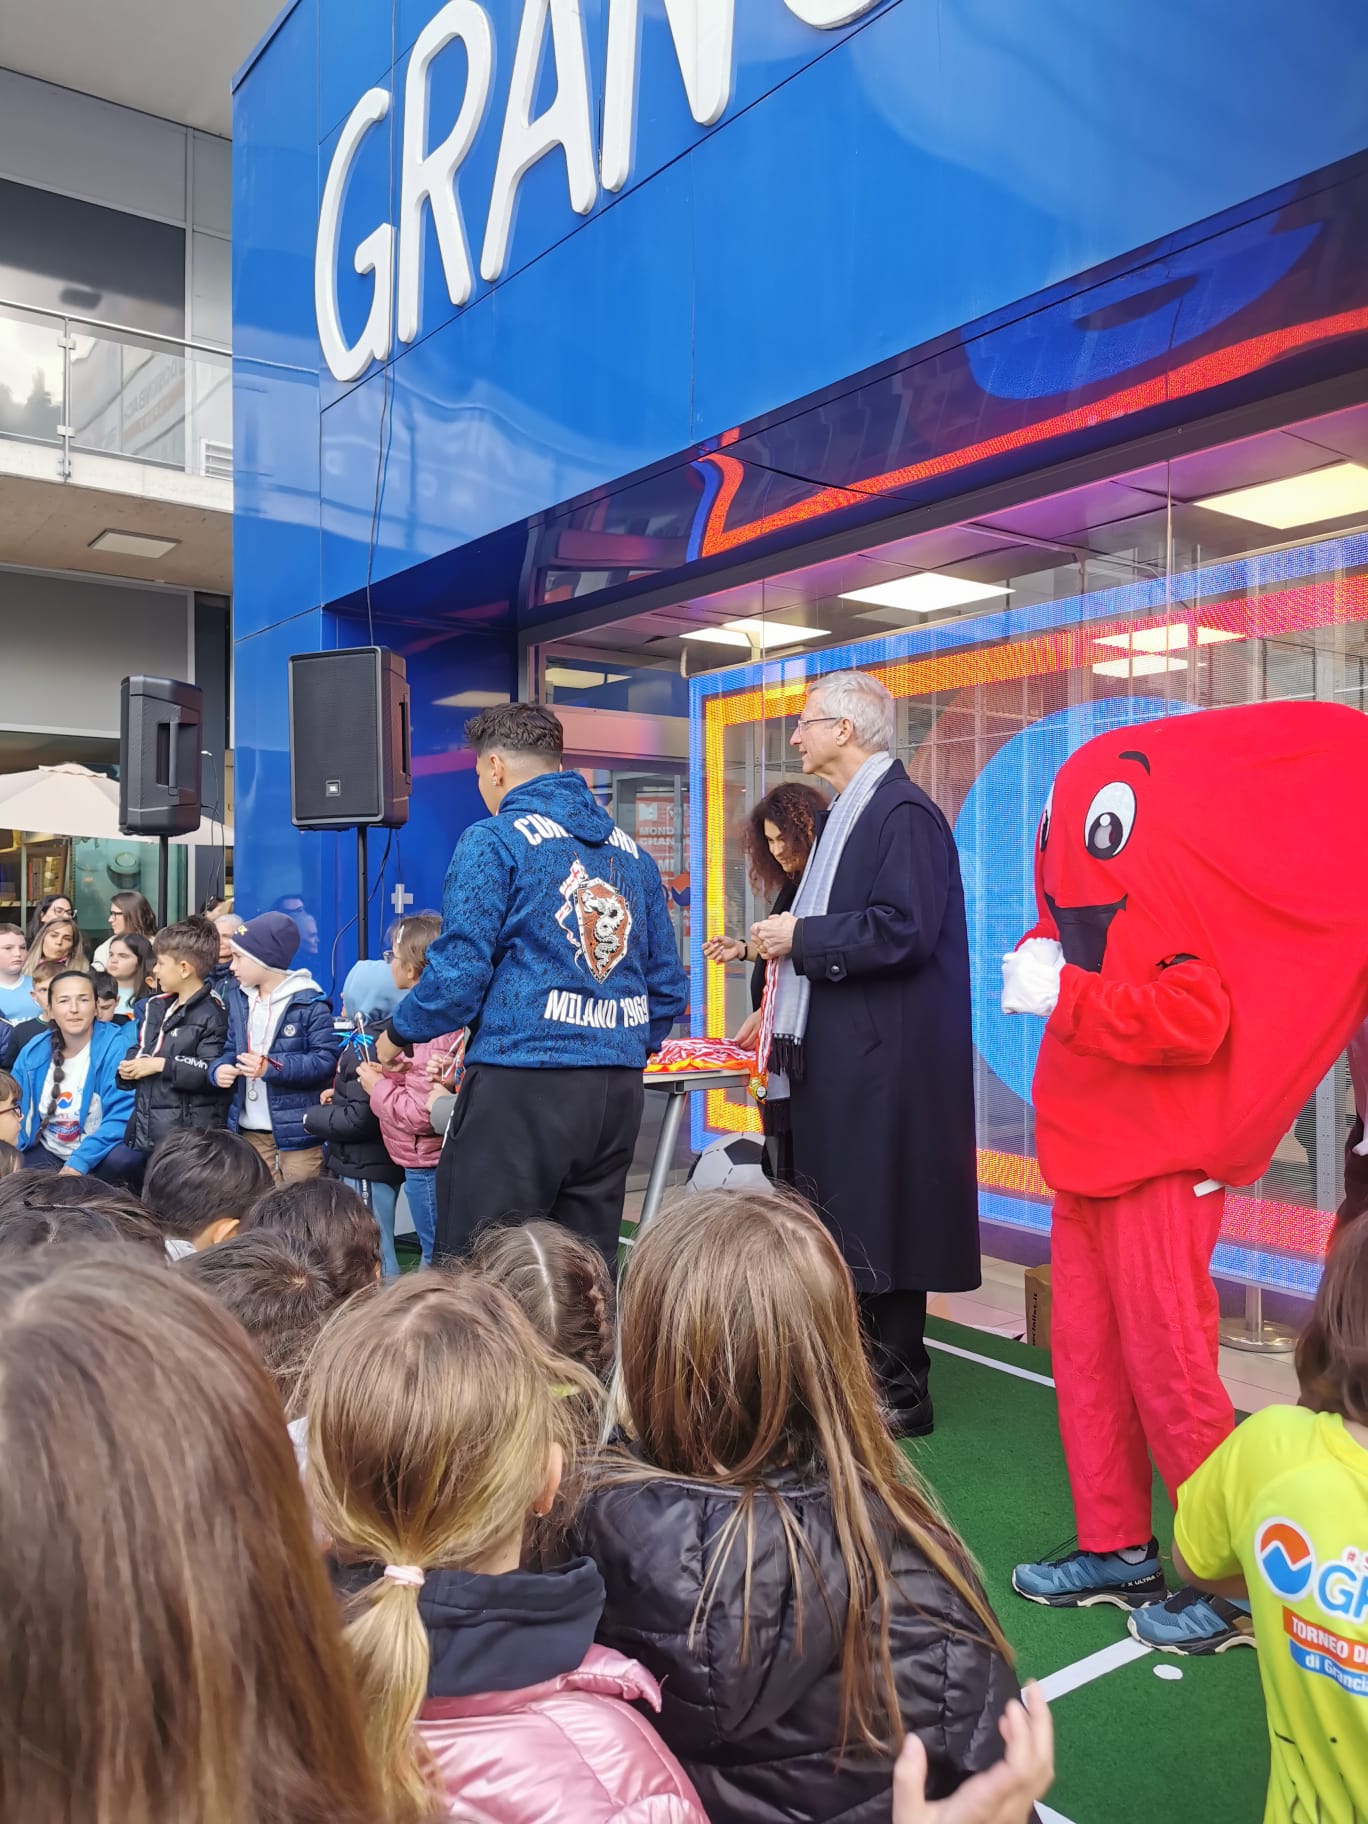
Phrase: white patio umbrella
(73, 801)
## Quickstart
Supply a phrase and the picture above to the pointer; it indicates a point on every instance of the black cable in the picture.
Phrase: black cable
(382, 454)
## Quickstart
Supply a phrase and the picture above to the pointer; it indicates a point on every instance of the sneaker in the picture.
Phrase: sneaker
(1190, 1621)
(1082, 1579)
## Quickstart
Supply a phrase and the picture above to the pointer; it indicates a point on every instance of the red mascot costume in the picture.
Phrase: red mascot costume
(1202, 955)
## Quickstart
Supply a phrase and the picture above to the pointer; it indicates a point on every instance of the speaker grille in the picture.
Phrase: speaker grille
(349, 738)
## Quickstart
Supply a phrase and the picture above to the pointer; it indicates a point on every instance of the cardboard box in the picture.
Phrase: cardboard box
(1038, 1307)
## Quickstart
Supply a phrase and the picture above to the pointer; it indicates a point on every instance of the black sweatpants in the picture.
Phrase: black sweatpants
(525, 1143)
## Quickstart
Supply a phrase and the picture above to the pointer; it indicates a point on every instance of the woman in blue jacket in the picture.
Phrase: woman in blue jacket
(75, 1108)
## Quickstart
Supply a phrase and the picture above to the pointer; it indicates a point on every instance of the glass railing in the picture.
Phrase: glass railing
(90, 386)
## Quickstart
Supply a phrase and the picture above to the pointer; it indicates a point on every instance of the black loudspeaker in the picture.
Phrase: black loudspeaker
(160, 737)
(349, 739)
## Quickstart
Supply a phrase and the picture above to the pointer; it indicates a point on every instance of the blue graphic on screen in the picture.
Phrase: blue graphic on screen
(1113, 328)
(996, 832)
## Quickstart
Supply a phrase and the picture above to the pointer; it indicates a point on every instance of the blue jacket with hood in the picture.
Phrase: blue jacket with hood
(556, 948)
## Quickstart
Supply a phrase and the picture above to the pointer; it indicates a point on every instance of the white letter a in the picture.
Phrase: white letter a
(565, 123)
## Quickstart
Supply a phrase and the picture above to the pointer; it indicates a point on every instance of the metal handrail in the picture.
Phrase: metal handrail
(120, 329)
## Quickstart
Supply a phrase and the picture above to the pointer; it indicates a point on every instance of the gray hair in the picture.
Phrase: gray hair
(864, 703)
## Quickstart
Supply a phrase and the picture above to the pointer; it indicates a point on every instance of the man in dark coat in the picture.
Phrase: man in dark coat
(880, 1079)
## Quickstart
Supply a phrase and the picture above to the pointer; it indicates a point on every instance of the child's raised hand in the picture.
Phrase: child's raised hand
(368, 1075)
(1005, 1794)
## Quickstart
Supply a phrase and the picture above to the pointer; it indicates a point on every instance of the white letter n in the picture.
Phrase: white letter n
(702, 34)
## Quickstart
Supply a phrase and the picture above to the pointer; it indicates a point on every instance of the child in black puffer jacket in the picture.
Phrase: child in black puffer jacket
(354, 1150)
(768, 1551)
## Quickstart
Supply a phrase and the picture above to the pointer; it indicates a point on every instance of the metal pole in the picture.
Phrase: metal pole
(1252, 1333)
(664, 1156)
(163, 868)
(362, 896)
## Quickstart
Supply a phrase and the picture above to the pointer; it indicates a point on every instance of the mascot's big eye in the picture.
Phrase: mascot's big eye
(1045, 820)
(1111, 818)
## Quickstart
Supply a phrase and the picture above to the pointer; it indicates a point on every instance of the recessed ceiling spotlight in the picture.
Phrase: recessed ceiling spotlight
(132, 544)
(926, 593)
(1301, 500)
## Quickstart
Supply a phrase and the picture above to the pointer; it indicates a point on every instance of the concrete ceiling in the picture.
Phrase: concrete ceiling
(47, 527)
(172, 58)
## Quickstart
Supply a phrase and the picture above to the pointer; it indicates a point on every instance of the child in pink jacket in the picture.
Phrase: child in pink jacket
(438, 1428)
(400, 1095)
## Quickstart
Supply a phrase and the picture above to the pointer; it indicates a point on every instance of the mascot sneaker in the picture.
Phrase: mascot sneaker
(1082, 1579)
(1190, 1621)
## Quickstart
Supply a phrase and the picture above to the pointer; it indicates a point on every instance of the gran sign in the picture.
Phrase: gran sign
(701, 31)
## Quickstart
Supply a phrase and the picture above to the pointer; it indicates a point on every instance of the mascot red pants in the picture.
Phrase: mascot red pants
(1202, 956)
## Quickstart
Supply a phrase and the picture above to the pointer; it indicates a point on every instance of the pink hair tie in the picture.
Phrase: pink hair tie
(410, 1575)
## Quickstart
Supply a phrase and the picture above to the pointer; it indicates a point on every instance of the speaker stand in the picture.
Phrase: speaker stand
(362, 896)
(163, 873)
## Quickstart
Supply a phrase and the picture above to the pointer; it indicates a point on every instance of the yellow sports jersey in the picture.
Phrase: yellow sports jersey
(1285, 1501)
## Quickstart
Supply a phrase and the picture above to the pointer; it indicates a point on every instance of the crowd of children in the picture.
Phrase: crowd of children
(208, 1025)
(514, 1568)
(503, 1540)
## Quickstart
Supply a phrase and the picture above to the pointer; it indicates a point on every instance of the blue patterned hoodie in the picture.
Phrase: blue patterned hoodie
(556, 948)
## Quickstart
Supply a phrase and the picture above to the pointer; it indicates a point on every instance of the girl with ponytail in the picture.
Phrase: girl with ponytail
(438, 1429)
(768, 1550)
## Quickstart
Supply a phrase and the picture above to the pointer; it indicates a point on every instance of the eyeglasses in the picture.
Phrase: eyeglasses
(12, 1108)
(809, 721)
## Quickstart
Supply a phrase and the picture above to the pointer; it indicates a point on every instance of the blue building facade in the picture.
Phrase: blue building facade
(656, 297)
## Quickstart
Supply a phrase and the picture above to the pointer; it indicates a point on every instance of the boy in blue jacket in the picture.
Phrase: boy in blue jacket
(558, 953)
(282, 1050)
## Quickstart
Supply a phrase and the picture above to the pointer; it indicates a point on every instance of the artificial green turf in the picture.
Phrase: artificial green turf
(1132, 1748)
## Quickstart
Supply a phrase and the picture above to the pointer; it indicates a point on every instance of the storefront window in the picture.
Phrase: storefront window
(1007, 641)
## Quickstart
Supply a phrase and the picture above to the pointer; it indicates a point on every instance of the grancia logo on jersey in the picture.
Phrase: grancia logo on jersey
(1289, 1566)
(702, 35)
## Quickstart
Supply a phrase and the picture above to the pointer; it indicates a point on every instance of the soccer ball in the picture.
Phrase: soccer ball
(729, 1165)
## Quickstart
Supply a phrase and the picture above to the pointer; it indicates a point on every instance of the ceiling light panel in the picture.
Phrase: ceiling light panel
(1140, 665)
(133, 544)
(1301, 500)
(1173, 638)
(927, 593)
(746, 634)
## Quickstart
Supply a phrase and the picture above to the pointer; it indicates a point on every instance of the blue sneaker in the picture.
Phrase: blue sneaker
(1190, 1621)
(1082, 1579)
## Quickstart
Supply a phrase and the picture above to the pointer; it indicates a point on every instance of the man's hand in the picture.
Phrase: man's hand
(386, 1049)
(1005, 1794)
(775, 935)
(226, 1075)
(368, 1075)
(749, 1034)
(133, 1070)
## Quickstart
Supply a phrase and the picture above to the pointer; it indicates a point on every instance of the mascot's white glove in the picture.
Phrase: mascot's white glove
(1030, 977)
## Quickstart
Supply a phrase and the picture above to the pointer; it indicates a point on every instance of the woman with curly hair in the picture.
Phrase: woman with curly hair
(778, 836)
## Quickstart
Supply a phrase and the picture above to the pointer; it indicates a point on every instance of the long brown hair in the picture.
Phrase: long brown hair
(433, 1408)
(793, 809)
(740, 1357)
(1332, 1351)
(171, 1653)
(75, 958)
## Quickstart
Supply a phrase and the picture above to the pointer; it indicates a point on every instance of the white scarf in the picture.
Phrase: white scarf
(793, 992)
